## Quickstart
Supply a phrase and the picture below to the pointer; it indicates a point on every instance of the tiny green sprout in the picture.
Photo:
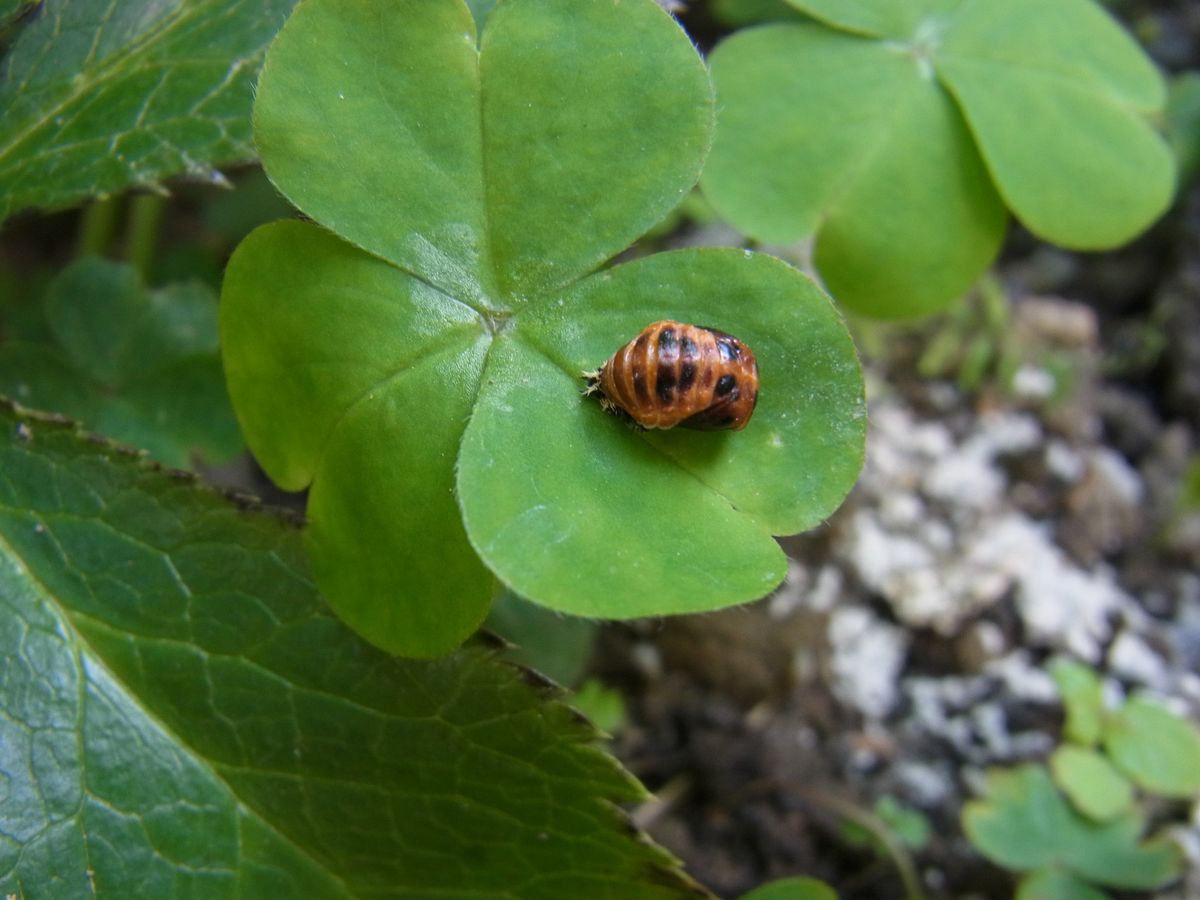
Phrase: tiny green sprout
(1024, 824)
(1083, 700)
(1079, 824)
(910, 826)
(1095, 787)
(1156, 748)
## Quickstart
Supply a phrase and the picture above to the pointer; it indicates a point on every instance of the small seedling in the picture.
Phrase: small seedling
(1078, 824)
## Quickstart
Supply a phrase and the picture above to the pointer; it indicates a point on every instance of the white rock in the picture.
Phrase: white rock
(1023, 679)
(1033, 382)
(1064, 462)
(926, 784)
(1124, 480)
(867, 655)
(1131, 657)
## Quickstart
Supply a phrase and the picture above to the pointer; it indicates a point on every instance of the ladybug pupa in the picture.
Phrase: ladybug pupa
(678, 374)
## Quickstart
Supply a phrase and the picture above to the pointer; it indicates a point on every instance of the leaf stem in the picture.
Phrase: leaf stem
(141, 233)
(900, 856)
(99, 223)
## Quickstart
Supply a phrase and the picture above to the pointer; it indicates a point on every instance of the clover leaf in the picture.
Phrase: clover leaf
(1091, 782)
(1025, 824)
(1055, 884)
(418, 363)
(896, 132)
(1083, 700)
(1159, 750)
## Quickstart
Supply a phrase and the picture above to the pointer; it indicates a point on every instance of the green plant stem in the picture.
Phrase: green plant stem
(99, 223)
(879, 830)
(141, 234)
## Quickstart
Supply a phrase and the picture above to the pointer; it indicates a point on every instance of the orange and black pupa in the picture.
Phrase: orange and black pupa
(678, 374)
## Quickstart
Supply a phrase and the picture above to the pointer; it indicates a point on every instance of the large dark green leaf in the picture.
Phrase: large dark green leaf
(180, 715)
(99, 96)
(428, 385)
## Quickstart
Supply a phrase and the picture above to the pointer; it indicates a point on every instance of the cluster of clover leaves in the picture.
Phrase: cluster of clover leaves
(413, 355)
(899, 134)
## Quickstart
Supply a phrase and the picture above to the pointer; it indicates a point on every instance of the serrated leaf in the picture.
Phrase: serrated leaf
(1091, 782)
(1025, 824)
(138, 365)
(1083, 699)
(180, 715)
(1055, 884)
(509, 177)
(1156, 748)
(848, 133)
(100, 96)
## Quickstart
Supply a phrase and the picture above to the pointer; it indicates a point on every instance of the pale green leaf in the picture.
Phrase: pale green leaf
(1023, 823)
(1083, 698)
(1055, 884)
(1156, 748)
(896, 135)
(1091, 782)
(792, 889)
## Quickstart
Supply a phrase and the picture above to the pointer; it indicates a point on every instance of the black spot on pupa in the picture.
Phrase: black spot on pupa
(688, 348)
(725, 384)
(665, 385)
(687, 375)
(667, 339)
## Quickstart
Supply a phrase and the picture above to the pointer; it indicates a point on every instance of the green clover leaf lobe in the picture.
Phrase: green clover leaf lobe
(419, 362)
